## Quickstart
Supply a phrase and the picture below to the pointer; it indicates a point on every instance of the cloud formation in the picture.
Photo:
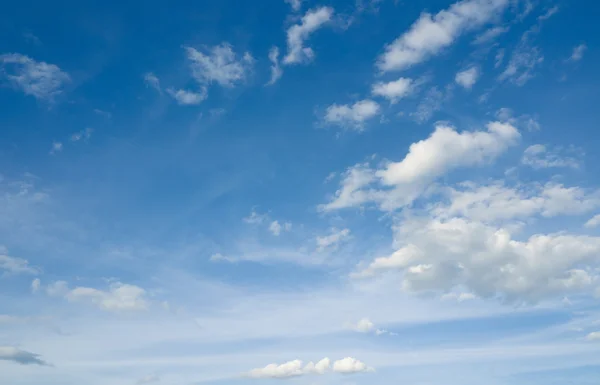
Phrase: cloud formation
(118, 297)
(467, 78)
(393, 90)
(295, 368)
(299, 33)
(219, 64)
(187, 98)
(352, 116)
(22, 357)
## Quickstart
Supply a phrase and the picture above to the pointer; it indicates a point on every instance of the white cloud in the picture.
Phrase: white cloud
(593, 222)
(14, 265)
(56, 147)
(350, 365)
(35, 285)
(431, 103)
(119, 296)
(333, 240)
(539, 156)
(276, 71)
(444, 150)
(42, 80)
(394, 90)
(276, 228)
(10, 353)
(218, 257)
(430, 34)
(186, 98)
(352, 116)
(219, 64)
(85, 134)
(490, 35)
(152, 81)
(467, 78)
(295, 368)
(295, 4)
(578, 52)
(593, 336)
(299, 33)
(255, 218)
(363, 326)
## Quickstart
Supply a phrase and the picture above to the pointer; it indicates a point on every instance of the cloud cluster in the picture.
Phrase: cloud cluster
(298, 33)
(430, 34)
(14, 265)
(538, 156)
(296, 368)
(219, 64)
(467, 78)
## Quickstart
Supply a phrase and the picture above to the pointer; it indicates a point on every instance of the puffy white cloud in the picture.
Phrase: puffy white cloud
(593, 336)
(593, 222)
(578, 52)
(332, 240)
(363, 326)
(185, 97)
(430, 34)
(295, 4)
(39, 79)
(276, 228)
(299, 33)
(118, 297)
(352, 116)
(295, 368)
(467, 78)
(394, 90)
(10, 353)
(14, 265)
(152, 80)
(350, 365)
(219, 64)
(276, 71)
(539, 156)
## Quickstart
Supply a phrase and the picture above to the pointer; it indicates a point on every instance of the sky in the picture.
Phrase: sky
(300, 192)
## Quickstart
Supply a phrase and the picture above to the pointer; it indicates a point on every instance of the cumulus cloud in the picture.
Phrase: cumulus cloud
(276, 228)
(352, 116)
(299, 33)
(333, 240)
(219, 64)
(186, 98)
(398, 184)
(10, 353)
(539, 156)
(295, 368)
(467, 78)
(393, 90)
(118, 297)
(593, 336)
(363, 326)
(152, 81)
(430, 34)
(39, 79)
(276, 71)
(14, 265)
(578, 52)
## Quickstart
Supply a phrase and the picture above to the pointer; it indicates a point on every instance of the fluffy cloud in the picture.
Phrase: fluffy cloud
(276, 71)
(10, 353)
(400, 183)
(538, 156)
(593, 336)
(119, 296)
(152, 81)
(14, 265)
(394, 90)
(276, 228)
(363, 326)
(219, 64)
(467, 78)
(593, 222)
(352, 116)
(333, 240)
(299, 33)
(430, 34)
(295, 368)
(578, 52)
(42, 80)
(186, 98)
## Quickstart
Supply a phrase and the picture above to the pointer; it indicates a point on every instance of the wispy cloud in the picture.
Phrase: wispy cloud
(298, 33)
(23, 357)
(219, 64)
(276, 71)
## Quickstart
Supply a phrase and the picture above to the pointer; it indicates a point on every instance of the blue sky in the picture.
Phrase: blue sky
(334, 192)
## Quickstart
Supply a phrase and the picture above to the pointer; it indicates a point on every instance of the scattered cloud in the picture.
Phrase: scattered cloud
(431, 103)
(593, 222)
(56, 147)
(549, 13)
(276, 71)
(276, 228)
(255, 218)
(490, 34)
(35, 285)
(295, 4)
(366, 326)
(393, 90)
(299, 33)
(430, 34)
(218, 257)
(467, 78)
(578, 52)
(295, 368)
(39, 79)
(458, 297)
(352, 116)
(84, 134)
(593, 336)
(10, 353)
(188, 98)
(333, 240)
(539, 156)
(152, 81)
(14, 265)
(118, 297)
(219, 64)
